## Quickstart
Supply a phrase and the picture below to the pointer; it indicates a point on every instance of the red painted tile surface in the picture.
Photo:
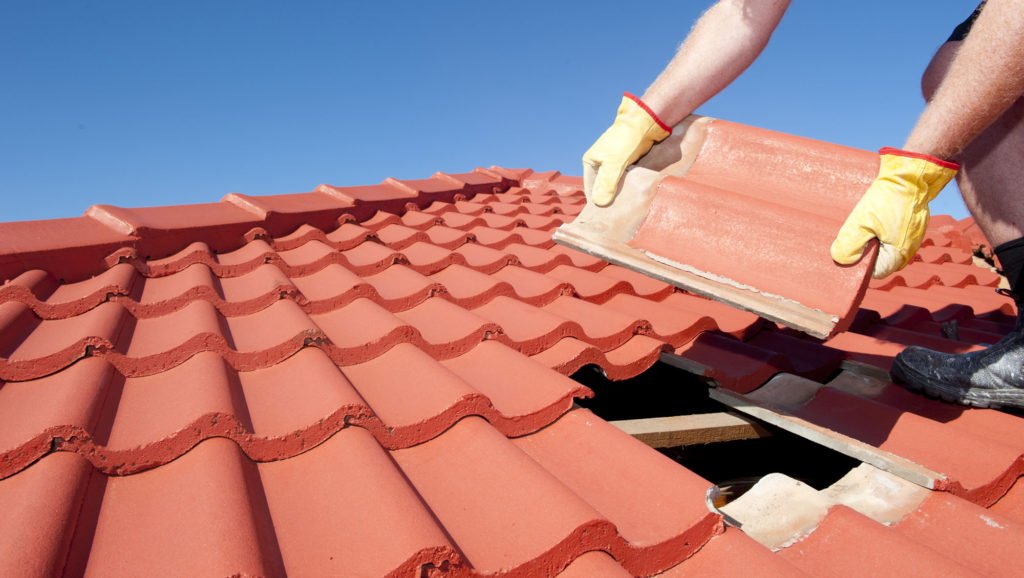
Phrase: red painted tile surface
(42, 507)
(309, 495)
(596, 565)
(195, 515)
(977, 538)
(69, 249)
(395, 357)
(632, 358)
(789, 194)
(1011, 505)
(733, 554)
(850, 544)
(978, 467)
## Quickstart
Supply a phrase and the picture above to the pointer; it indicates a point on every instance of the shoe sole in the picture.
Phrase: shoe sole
(980, 398)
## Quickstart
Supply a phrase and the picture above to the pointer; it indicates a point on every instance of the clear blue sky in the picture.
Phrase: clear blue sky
(153, 103)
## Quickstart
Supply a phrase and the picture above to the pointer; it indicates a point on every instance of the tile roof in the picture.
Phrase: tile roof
(372, 380)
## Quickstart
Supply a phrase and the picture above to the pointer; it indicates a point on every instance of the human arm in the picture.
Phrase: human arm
(985, 78)
(723, 43)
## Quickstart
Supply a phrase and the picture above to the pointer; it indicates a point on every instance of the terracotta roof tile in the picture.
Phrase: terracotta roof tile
(397, 355)
(590, 285)
(142, 526)
(721, 183)
(672, 525)
(632, 358)
(594, 564)
(533, 330)
(43, 507)
(983, 541)
(1011, 505)
(976, 467)
(733, 554)
(308, 495)
(740, 324)
(498, 238)
(642, 285)
(730, 363)
(894, 554)
(669, 324)
(532, 286)
(933, 254)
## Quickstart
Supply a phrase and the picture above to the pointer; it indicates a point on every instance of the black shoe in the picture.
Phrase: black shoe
(993, 377)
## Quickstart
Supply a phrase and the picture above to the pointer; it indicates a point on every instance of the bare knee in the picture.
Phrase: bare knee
(937, 68)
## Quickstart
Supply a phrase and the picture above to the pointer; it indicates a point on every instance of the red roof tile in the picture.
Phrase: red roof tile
(281, 363)
(742, 214)
(840, 544)
(983, 541)
(733, 554)
(977, 467)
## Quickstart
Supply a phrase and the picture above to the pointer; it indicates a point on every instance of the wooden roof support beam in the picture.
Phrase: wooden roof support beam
(688, 430)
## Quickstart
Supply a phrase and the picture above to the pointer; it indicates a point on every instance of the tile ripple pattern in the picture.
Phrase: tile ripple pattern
(242, 365)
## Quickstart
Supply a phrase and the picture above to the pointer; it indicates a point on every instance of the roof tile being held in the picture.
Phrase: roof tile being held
(742, 215)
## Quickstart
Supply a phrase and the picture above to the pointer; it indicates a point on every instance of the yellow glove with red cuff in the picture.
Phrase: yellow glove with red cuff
(894, 210)
(634, 132)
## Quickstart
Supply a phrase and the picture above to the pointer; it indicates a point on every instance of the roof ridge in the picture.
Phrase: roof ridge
(76, 248)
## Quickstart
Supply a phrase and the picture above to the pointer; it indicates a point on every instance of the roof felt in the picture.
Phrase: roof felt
(369, 381)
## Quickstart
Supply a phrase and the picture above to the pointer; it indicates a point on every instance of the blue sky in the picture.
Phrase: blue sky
(159, 103)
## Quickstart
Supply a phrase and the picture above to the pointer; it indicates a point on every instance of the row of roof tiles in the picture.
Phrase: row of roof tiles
(307, 358)
(903, 526)
(469, 501)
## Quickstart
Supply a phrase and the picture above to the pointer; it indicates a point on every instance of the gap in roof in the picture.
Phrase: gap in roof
(661, 391)
(735, 465)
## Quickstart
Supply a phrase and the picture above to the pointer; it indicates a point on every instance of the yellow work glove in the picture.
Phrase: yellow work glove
(634, 132)
(894, 210)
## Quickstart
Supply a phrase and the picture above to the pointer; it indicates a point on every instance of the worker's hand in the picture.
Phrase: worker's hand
(894, 210)
(634, 132)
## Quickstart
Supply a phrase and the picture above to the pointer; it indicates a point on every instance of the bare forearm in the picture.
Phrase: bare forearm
(723, 43)
(984, 79)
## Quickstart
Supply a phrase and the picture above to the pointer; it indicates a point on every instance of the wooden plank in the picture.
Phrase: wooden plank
(688, 430)
(759, 408)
